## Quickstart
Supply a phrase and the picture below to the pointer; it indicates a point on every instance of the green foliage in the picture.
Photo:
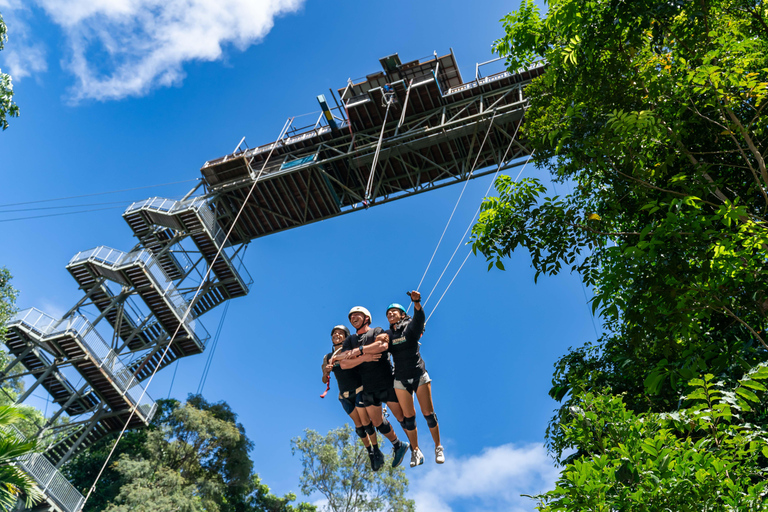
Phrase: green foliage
(7, 107)
(703, 457)
(194, 456)
(14, 482)
(649, 118)
(337, 466)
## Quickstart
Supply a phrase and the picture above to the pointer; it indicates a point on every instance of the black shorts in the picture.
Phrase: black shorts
(350, 402)
(375, 398)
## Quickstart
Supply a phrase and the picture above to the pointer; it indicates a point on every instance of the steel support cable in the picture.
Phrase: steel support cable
(98, 193)
(469, 176)
(462, 239)
(369, 185)
(215, 344)
(470, 223)
(186, 314)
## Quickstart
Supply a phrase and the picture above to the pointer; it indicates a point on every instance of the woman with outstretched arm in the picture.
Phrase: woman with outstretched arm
(411, 375)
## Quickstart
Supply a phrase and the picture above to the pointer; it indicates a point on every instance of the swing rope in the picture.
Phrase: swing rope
(369, 185)
(466, 181)
(186, 313)
(471, 222)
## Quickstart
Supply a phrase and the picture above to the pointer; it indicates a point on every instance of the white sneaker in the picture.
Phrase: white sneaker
(439, 455)
(417, 458)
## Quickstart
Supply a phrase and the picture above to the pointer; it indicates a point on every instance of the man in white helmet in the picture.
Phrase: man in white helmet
(377, 378)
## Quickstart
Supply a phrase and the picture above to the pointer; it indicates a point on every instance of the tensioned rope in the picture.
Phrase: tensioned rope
(186, 313)
(215, 344)
(465, 234)
(369, 185)
(98, 193)
(469, 176)
(501, 163)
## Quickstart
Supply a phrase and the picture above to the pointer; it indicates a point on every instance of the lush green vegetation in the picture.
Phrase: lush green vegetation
(649, 119)
(193, 457)
(7, 107)
(336, 465)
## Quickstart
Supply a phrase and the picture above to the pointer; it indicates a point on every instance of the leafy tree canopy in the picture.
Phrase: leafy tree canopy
(336, 466)
(194, 457)
(649, 118)
(7, 107)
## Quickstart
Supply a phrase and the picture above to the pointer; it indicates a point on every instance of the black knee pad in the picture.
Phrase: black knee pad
(369, 429)
(360, 431)
(431, 420)
(409, 423)
(385, 428)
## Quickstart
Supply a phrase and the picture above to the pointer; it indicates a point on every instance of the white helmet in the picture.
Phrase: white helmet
(361, 309)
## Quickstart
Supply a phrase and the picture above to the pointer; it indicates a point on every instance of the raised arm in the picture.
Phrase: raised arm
(416, 325)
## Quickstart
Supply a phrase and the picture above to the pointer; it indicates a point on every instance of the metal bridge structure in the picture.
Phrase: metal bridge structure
(407, 129)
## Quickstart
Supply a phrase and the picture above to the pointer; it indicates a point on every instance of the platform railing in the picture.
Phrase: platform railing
(219, 235)
(49, 479)
(200, 206)
(172, 294)
(107, 360)
(36, 321)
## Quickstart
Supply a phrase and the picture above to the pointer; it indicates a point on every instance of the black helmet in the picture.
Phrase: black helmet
(341, 327)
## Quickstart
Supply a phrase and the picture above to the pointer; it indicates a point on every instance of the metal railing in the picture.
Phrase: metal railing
(34, 320)
(177, 302)
(49, 479)
(219, 236)
(199, 206)
(118, 260)
(153, 203)
(106, 359)
(45, 326)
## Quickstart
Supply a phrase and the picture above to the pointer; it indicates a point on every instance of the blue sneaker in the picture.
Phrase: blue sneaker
(399, 453)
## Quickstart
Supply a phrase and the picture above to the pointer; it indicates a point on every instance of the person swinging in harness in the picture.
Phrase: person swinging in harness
(350, 387)
(411, 375)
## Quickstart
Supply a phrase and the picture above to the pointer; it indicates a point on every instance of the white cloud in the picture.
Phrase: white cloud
(491, 481)
(120, 48)
(23, 55)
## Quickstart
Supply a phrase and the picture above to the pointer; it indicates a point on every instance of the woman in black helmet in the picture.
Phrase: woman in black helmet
(350, 387)
(411, 375)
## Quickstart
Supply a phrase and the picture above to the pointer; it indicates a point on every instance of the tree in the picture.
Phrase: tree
(194, 456)
(14, 482)
(7, 106)
(649, 118)
(337, 467)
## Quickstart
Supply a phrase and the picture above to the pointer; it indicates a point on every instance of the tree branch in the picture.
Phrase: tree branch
(745, 324)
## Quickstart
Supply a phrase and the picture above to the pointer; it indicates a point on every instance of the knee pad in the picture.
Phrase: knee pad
(409, 423)
(385, 428)
(369, 429)
(360, 431)
(404, 423)
(431, 420)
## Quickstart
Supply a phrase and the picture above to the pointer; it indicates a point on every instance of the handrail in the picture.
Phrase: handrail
(102, 355)
(48, 478)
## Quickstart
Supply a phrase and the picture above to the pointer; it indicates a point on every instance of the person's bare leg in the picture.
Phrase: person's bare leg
(355, 415)
(405, 400)
(424, 394)
(364, 420)
(374, 412)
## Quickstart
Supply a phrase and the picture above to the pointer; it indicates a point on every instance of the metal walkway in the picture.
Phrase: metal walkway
(144, 302)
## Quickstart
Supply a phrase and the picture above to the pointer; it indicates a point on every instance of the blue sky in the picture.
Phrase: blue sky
(118, 95)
